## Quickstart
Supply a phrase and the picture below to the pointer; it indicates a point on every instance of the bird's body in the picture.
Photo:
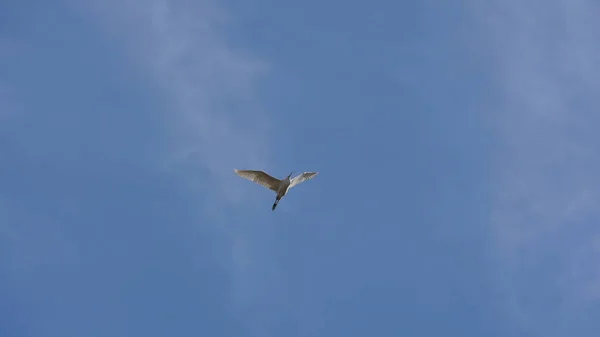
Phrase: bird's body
(281, 187)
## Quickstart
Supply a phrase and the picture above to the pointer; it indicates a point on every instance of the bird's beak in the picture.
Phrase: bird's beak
(291, 174)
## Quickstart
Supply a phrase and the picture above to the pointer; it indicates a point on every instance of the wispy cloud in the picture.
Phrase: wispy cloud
(545, 236)
(207, 83)
(215, 124)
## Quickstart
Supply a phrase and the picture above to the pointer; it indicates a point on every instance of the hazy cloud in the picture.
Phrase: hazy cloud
(208, 84)
(547, 190)
(214, 122)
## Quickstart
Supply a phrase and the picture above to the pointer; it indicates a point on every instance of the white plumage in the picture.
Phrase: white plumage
(281, 187)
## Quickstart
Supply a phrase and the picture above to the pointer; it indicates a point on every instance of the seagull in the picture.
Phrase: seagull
(281, 187)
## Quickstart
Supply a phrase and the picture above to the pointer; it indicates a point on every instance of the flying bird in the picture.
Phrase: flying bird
(281, 187)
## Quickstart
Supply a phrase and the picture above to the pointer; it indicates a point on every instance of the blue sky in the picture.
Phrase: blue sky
(458, 162)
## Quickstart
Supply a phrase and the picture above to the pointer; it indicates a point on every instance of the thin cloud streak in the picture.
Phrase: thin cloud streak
(204, 80)
(214, 122)
(544, 241)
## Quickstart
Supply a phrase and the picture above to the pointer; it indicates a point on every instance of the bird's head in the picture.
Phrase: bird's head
(290, 175)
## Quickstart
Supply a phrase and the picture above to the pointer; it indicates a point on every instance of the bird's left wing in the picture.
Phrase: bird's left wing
(302, 178)
(260, 177)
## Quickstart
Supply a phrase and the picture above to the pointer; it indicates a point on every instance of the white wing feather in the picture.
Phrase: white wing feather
(260, 178)
(302, 178)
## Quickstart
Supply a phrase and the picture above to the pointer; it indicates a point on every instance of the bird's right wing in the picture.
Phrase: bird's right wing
(302, 178)
(260, 178)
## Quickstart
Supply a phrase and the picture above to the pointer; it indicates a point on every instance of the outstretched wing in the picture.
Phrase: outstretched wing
(302, 178)
(260, 178)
